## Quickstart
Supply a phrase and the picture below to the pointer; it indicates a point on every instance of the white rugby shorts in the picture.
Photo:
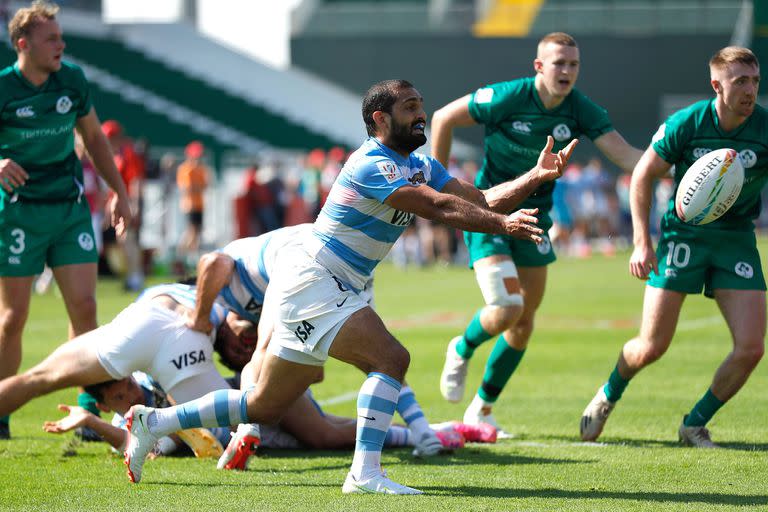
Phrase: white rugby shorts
(148, 337)
(308, 306)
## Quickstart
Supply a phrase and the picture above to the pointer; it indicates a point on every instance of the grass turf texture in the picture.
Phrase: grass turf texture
(591, 308)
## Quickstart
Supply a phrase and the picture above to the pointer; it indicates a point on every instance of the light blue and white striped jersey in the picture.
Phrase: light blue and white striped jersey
(355, 229)
(254, 258)
(184, 294)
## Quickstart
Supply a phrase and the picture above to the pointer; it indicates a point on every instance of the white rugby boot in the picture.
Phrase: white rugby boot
(454, 377)
(378, 484)
(595, 415)
(479, 412)
(140, 441)
(698, 437)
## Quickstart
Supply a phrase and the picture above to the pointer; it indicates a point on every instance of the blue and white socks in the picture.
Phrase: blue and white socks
(376, 404)
(221, 408)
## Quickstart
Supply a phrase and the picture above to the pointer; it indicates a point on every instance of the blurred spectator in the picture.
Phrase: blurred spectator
(192, 178)
(310, 185)
(331, 169)
(261, 202)
(132, 168)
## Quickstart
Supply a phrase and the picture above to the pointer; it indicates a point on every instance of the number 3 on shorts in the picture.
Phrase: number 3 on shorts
(18, 241)
(678, 254)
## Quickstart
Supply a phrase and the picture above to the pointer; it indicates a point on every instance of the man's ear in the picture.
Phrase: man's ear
(380, 118)
(538, 65)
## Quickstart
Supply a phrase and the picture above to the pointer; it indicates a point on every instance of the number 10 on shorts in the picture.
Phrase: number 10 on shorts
(678, 254)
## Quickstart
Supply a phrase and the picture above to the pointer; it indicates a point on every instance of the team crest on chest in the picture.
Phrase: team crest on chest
(748, 158)
(561, 132)
(63, 105)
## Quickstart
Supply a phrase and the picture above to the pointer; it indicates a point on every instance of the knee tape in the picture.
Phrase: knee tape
(499, 284)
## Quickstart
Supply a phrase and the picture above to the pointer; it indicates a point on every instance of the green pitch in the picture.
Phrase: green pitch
(591, 308)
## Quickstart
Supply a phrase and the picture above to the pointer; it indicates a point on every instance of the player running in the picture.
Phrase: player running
(720, 257)
(518, 117)
(313, 297)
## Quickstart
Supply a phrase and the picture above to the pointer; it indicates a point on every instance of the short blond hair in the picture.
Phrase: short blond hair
(560, 38)
(26, 18)
(731, 55)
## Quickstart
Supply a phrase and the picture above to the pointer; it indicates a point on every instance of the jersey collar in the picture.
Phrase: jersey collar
(394, 155)
(716, 122)
(27, 83)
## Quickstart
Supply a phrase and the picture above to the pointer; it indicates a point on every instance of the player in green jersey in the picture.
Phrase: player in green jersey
(720, 257)
(518, 116)
(44, 217)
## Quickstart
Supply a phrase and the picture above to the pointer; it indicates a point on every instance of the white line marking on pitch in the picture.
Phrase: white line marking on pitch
(340, 399)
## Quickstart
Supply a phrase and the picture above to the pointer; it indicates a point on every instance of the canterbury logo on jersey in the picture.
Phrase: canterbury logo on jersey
(24, 112)
(188, 359)
(521, 126)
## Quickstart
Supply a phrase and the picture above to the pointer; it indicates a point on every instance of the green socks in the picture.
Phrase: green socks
(703, 411)
(615, 386)
(501, 364)
(474, 336)
(87, 402)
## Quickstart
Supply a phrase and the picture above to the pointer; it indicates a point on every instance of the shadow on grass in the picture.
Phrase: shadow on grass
(660, 497)
(464, 456)
(655, 443)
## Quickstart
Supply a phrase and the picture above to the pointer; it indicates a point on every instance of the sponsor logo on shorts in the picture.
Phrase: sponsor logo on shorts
(303, 331)
(545, 246)
(561, 132)
(24, 112)
(670, 272)
(86, 241)
(339, 304)
(748, 158)
(522, 126)
(63, 105)
(484, 95)
(14, 260)
(700, 152)
(744, 270)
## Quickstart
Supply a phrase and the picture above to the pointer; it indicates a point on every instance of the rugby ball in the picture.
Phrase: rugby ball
(709, 187)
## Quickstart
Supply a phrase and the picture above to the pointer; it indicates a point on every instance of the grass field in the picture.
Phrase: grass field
(591, 308)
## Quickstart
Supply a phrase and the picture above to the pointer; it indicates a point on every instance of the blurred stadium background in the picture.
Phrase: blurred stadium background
(279, 84)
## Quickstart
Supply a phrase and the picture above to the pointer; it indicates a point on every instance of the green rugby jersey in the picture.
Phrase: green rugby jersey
(36, 126)
(693, 132)
(516, 128)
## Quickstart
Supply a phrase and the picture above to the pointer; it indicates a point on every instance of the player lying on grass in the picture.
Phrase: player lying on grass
(305, 424)
(149, 335)
(237, 277)
(313, 307)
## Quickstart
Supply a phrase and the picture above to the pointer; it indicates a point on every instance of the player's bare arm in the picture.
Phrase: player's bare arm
(214, 272)
(618, 150)
(461, 214)
(650, 168)
(12, 175)
(453, 115)
(79, 417)
(506, 196)
(101, 155)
